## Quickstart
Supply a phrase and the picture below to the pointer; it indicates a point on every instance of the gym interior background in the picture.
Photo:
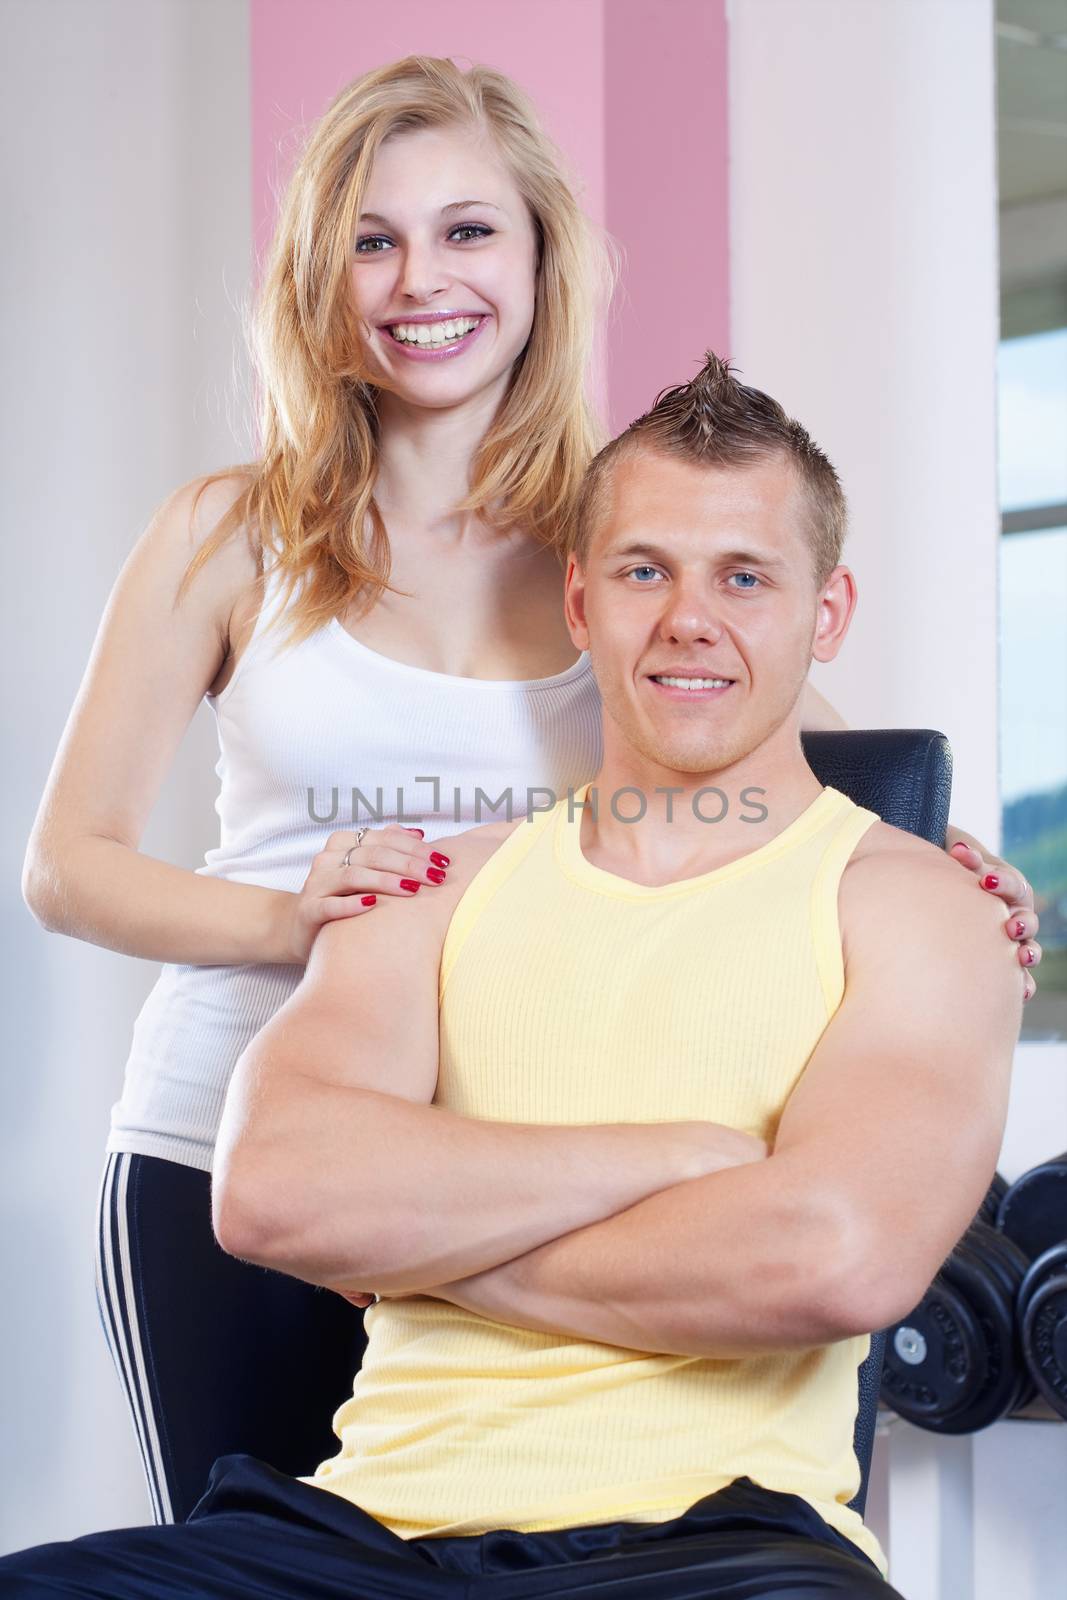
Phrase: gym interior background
(813, 187)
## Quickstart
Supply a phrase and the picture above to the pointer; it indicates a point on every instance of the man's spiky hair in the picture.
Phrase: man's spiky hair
(715, 421)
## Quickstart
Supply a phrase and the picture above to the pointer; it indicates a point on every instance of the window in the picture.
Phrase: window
(1033, 647)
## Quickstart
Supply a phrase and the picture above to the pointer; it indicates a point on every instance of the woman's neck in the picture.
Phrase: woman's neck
(425, 456)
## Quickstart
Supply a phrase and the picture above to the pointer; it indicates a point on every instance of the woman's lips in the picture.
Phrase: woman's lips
(423, 352)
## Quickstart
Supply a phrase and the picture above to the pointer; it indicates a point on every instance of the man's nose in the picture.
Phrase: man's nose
(691, 615)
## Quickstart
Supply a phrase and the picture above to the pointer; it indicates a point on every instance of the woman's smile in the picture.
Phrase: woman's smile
(434, 338)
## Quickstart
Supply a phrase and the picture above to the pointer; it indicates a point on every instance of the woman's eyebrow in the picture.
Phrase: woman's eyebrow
(458, 205)
(455, 205)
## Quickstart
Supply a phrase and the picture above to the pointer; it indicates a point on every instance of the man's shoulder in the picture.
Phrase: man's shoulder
(470, 850)
(886, 849)
(467, 854)
(893, 881)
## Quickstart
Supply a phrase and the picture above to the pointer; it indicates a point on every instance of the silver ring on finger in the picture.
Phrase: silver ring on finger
(346, 859)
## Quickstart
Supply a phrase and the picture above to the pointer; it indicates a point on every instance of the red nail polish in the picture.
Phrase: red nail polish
(990, 881)
(1020, 929)
(1029, 958)
(435, 875)
(438, 859)
(416, 830)
(408, 883)
(367, 899)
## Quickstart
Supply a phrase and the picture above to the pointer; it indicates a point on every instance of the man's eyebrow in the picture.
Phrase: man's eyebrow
(455, 205)
(737, 557)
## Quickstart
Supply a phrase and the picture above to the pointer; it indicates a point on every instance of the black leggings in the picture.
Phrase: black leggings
(216, 1356)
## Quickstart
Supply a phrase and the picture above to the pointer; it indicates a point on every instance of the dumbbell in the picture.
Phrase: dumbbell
(1033, 1214)
(954, 1364)
(1042, 1314)
(987, 1211)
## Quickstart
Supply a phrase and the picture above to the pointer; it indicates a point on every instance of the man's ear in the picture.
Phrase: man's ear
(836, 603)
(574, 604)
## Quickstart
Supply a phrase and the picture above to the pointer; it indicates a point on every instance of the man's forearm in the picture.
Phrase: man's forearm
(404, 1196)
(722, 1266)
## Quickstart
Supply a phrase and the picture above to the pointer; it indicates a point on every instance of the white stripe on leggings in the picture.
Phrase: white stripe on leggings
(115, 1294)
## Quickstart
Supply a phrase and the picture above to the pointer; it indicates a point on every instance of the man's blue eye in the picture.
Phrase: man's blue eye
(751, 575)
(635, 570)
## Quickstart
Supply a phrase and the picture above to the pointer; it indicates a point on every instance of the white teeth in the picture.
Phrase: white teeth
(691, 683)
(435, 333)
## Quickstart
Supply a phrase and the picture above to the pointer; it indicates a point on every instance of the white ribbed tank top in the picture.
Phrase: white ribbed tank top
(299, 729)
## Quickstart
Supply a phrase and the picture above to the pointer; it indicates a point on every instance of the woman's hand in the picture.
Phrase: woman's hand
(392, 860)
(1007, 883)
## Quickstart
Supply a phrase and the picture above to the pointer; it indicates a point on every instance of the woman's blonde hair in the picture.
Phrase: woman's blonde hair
(310, 495)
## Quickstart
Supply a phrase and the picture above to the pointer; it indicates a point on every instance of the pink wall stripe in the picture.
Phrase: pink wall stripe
(667, 190)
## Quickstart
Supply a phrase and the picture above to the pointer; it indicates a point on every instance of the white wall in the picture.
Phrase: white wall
(127, 209)
(864, 272)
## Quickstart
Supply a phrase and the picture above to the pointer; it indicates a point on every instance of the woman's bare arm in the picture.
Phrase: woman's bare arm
(817, 715)
(149, 668)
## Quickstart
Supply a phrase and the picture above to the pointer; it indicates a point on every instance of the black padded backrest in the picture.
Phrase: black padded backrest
(905, 776)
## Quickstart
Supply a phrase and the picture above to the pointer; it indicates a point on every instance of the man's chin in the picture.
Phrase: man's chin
(694, 760)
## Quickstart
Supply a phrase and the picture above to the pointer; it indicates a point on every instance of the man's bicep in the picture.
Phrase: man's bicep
(898, 1118)
(365, 1015)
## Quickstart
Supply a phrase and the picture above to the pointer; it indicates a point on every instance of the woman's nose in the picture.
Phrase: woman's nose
(422, 273)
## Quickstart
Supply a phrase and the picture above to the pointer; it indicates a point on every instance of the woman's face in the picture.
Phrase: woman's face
(445, 238)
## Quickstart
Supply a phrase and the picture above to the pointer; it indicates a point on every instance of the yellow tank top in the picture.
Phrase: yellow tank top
(571, 995)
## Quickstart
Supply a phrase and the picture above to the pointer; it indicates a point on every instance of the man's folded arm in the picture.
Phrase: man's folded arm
(331, 1165)
(882, 1156)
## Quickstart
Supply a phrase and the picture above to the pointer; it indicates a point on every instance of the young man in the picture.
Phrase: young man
(637, 1128)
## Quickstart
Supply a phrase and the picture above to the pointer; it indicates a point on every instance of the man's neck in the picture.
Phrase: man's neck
(687, 823)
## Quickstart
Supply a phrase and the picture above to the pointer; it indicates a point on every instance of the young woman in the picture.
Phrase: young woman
(422, 334)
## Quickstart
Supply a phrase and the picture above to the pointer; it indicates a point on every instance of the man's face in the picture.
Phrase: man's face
(703, 572)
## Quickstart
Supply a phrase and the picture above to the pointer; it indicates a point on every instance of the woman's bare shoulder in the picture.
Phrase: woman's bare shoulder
(184, 522)
(232, 579)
